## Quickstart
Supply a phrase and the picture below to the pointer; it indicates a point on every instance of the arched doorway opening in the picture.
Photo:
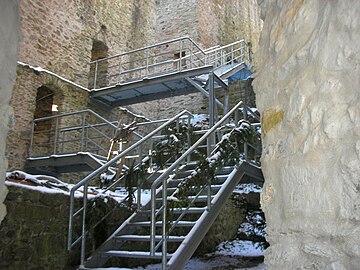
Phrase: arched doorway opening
(98, 74)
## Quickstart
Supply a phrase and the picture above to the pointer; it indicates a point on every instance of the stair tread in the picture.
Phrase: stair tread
(191, 210)
(148, 223)
(134, 254)
(172, 238)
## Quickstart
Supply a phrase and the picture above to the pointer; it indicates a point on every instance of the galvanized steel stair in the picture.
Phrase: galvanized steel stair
(196, 221)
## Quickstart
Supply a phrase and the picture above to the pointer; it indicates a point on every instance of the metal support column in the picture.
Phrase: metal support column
(211, 141)
(245, 110)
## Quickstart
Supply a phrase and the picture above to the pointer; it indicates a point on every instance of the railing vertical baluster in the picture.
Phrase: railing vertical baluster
(95, 73)
(138, 200)
(71, 221)
(191, 54)
(241, 53)
(222, 56)
(211, 109)
(147, 63)
(32, 138)
(245, 117)
(232, 54)
(209, 195)
(120, 70)
(164, 223)
(56, 134)
(189, 136)
(82, 132)
(180, 58)
(153, 220)
(63, 142)
(83, 230)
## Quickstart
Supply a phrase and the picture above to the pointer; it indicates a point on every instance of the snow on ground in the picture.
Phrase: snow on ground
(52, 185)
(240, 248)
(247, 188)
(228, 255)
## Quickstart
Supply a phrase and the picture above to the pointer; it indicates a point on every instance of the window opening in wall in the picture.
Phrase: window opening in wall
(44, 107)
(183, 61)
(99, 50)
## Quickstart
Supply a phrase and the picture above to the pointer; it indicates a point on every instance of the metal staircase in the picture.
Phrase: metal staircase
(161, 228)
(169, 239)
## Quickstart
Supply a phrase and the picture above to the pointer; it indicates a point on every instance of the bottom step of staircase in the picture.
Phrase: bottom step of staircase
(134, 254)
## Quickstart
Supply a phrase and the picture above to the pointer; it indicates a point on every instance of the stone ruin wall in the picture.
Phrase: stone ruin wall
(209, 23)
(59, 35)
(9, 29)
(62, 42)
(307, 89)
(60, 39)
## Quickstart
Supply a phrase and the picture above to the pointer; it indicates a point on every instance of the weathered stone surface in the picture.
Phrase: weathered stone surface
(208, 23)
(9, 31)
(307, 91)
(34, 232)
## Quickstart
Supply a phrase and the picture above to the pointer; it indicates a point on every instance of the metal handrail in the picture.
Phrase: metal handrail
(146, 64)
(162, 179)
(55, 131)
(85, 182)
(150, 47)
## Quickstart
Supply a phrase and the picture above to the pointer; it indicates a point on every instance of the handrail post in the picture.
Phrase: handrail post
(56, 135)
(138, 201)
(209, 195)
(211, 140)
(147, 62)
(82, 133)
(241, 53)
(32, 138)
(83, 230)
(191, 54)
(153, 220)
(120, 69)
(71, 221)
(164, 233)
(232, 54)
(245, 117)
(189, 136)
(222, 60)
(180, 58)
(95, 73)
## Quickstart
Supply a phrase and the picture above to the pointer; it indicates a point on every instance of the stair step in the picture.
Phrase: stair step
(191, 210)
(134, 254)
(201, 198)
(159, 223)
(214, 188)
(147, 238)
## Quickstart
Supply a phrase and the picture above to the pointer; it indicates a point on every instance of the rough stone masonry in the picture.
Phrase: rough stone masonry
(9, 32)
(307, 87)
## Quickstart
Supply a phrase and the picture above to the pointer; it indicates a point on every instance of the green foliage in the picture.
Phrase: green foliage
(97, 209)
(176, 138)
(226, 152)
(134, 177)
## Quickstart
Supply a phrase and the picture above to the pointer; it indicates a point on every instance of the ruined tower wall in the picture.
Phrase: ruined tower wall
(208, 23)
(222, 22)
(307, 89)
(59, 36)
